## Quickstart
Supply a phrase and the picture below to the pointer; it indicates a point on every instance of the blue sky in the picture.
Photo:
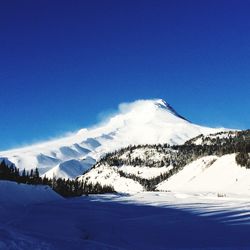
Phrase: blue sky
(64, 62)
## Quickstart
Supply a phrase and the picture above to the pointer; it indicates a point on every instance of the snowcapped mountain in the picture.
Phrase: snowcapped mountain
(139, 122)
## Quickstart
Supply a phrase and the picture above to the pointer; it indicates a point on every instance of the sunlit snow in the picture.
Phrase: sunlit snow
(139, 122)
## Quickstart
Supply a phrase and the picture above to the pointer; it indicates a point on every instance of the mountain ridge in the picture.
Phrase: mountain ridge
(140, 122)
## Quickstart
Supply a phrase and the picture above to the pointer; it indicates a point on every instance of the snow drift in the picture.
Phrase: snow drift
(23, 194)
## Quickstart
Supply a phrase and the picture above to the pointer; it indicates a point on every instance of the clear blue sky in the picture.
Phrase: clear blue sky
(63, 62)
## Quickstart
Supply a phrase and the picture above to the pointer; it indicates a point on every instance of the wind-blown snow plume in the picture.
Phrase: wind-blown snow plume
(139, 122)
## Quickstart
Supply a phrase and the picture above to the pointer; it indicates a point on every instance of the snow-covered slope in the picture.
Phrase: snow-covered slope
(210, 139)
(208, 174)
(127, 168)
(220, 175)
(22, 194)
(217, 163)
(108, 175)
(70, 169)
(140, 122)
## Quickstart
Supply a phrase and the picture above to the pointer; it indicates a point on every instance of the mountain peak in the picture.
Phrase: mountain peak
(145, 107)
(163, 104)
(141, 113)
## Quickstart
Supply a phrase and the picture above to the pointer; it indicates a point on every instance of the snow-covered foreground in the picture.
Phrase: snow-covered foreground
(140, 221)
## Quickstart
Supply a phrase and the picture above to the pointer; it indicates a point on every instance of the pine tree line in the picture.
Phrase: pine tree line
(12, 173)
(66, 188)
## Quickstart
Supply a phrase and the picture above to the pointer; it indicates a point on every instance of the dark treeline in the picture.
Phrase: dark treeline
(178, 156)
(66, 188)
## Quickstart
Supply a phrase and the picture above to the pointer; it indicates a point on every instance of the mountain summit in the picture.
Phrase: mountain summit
(162, 104)
(140, 122)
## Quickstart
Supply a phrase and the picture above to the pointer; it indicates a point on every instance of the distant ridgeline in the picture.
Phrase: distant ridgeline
(175, 157)
(66, 188)
(219, 144)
